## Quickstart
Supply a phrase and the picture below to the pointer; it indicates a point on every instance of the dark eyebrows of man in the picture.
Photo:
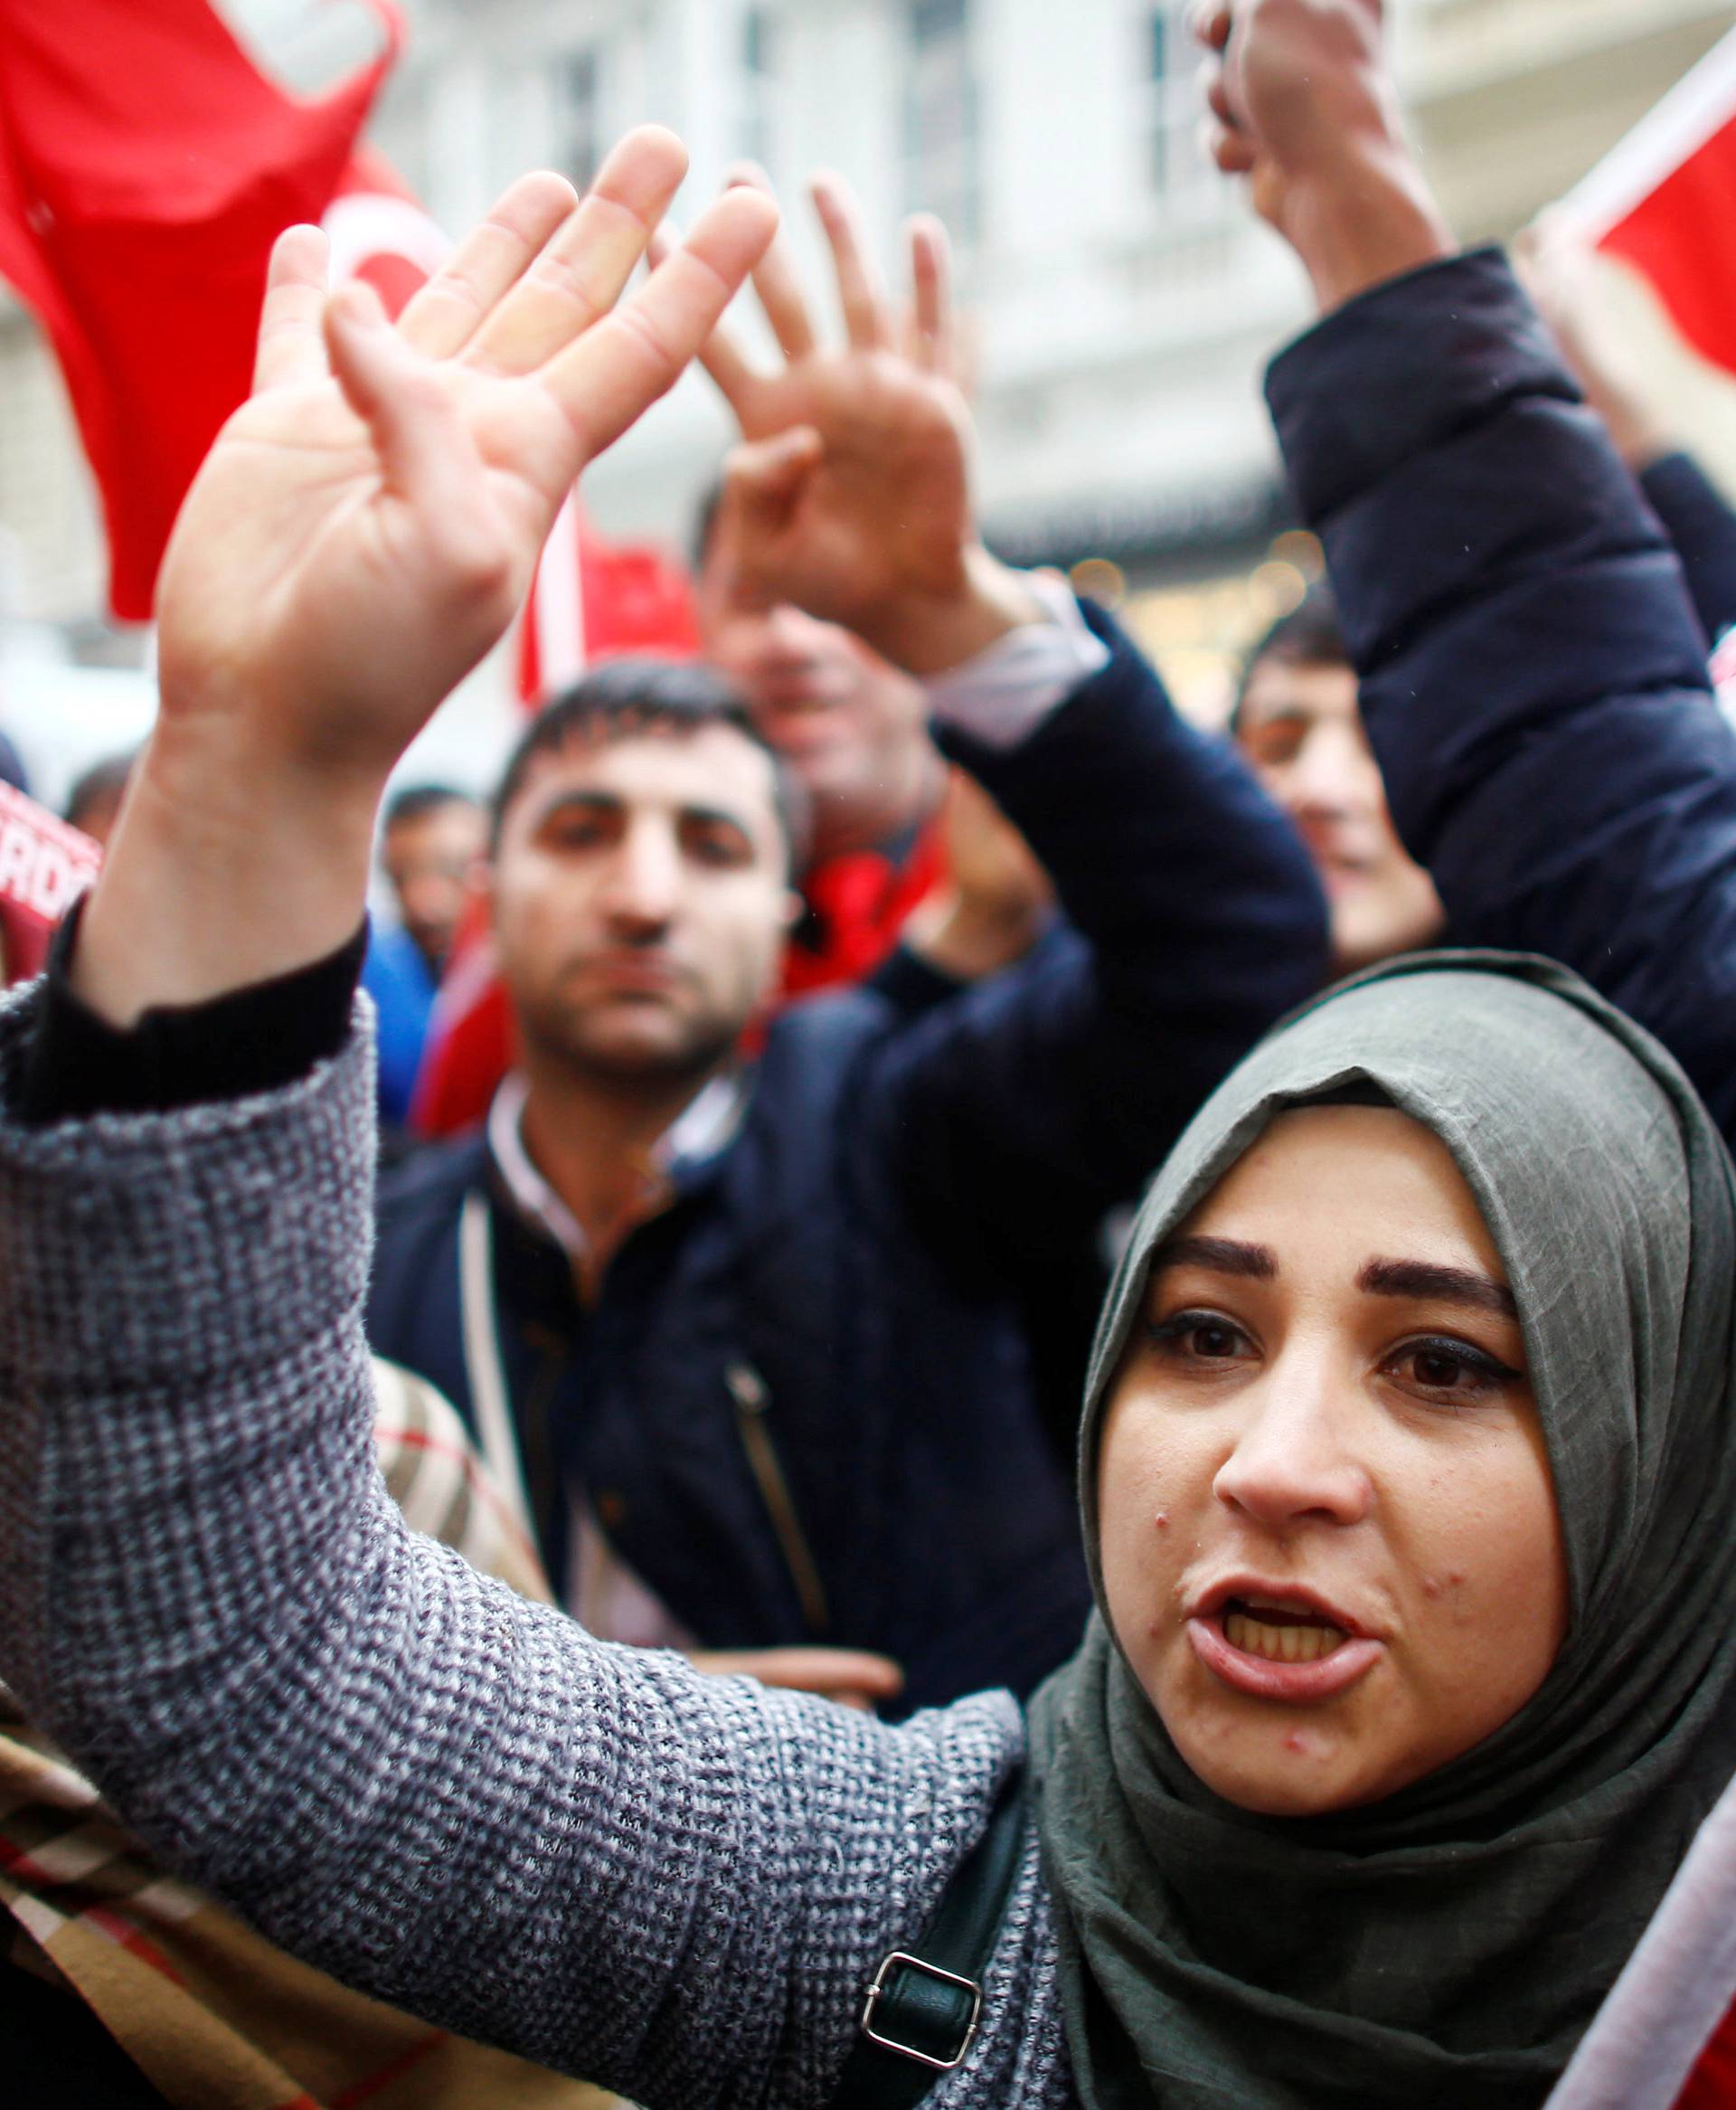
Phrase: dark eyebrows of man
(602, 803)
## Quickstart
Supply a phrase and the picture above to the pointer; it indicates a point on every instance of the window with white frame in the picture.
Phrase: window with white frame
(758, 77)
(1167, 72)
(943, 170)
(578, 140)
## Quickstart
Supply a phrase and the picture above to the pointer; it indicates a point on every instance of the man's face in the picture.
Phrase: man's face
(641, 900)
(1301, 729)
(430, 860)
(852, 728)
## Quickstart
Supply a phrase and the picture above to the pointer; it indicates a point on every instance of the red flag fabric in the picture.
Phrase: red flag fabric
(145, 167)
(593, 600)
(1665, 201)
(44, 866)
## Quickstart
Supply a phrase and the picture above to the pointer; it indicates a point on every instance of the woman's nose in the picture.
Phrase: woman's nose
(1295, 1459)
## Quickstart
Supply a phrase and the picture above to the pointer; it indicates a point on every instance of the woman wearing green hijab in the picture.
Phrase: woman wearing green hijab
(1407, 1473)
(1444, 1942)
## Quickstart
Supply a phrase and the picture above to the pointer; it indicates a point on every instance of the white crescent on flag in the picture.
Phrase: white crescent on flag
(379, 233)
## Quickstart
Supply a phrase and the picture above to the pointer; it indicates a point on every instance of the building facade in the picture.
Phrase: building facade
(1121, 300)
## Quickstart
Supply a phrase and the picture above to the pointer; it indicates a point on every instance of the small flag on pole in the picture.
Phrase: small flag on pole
(1664, 200)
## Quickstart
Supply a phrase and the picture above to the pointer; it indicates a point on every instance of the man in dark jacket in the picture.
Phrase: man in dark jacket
(749, 1336)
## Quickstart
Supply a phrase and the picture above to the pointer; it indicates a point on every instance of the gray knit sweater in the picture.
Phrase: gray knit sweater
(672, 1885)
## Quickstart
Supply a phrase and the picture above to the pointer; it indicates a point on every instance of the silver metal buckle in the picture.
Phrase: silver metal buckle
(878, 1988)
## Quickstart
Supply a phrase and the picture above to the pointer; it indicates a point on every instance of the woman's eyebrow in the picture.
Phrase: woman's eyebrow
(1224, 1256)
(1451, 1285)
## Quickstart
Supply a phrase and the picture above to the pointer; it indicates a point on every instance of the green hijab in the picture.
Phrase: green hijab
(1446, 1947)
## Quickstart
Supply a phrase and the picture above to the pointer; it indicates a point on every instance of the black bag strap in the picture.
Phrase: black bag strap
(920, 2015)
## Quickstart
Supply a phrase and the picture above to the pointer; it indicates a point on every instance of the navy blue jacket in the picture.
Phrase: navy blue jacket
(1701, 523)
(1532, 667)
(852, 1262)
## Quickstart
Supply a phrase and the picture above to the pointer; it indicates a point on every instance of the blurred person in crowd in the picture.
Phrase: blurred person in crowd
(909, 873)
(852, 727)
(679, 1295)
(1413, 1563)
(854, 732)
(1298, 721)
(430, 838)
(93, 804)
(1298, 714)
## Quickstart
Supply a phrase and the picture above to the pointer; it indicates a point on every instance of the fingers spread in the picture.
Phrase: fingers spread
(443, 315)
(777, 282)
(607, 377)
(931, 345)
(722, 358)
(866, 320)
(291, 346)
(578, 274)
(428, 457)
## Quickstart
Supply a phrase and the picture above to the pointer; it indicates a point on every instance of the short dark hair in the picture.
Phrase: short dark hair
(417, 801)
(632, 696)
(1310, 634)
(103, 781)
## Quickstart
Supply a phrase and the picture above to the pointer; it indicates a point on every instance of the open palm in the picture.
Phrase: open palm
(367, 522)
(853, 493)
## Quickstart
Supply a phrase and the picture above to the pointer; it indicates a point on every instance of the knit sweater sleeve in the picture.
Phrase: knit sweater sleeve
(672, 1885)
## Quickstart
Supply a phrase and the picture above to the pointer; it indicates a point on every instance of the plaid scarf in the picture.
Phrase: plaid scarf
(212, 2014)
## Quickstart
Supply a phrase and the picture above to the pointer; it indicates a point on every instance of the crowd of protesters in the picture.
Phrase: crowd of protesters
(597, 1602)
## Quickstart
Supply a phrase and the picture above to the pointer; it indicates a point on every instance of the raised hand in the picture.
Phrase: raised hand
(358, 536)
(1301, 103)
(366, 524)
(852, 494)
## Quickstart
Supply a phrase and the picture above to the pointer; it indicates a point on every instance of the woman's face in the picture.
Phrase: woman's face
(1329, 1540)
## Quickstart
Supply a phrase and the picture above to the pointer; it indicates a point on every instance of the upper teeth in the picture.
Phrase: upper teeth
(1280, 1644)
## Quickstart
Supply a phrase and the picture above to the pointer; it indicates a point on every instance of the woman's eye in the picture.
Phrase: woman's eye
(1454, 1368)
(1200, 1337)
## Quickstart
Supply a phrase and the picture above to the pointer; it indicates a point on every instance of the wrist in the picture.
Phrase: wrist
(1367, 217)
(970, 939)
(931, 634)
(230, 867)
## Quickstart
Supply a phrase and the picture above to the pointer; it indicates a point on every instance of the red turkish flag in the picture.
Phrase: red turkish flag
(146, 166)
(1665, 201)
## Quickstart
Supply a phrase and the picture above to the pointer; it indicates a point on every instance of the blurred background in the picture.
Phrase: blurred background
(1121, 302)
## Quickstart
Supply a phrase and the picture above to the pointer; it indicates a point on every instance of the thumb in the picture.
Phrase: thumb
(762, 481)
(766, 475)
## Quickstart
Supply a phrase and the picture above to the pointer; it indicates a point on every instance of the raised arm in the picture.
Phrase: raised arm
(440, 1793)
(1195, 917)
(1533, 675)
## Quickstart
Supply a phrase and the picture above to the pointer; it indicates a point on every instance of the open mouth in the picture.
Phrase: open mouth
(1279, 1633)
